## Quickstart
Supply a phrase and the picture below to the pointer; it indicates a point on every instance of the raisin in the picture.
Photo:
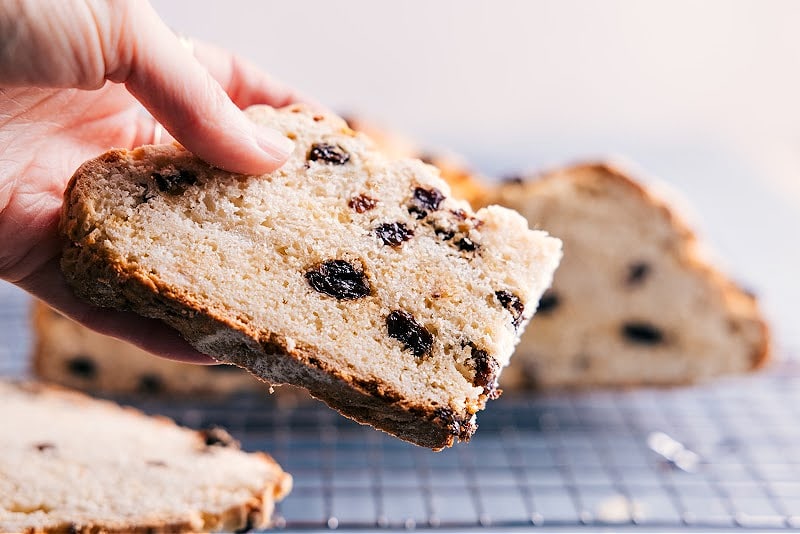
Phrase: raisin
(549, 302)
(512, 303)
(582, 362)
(457, 426)
(331, 154)
(459, 214)
(82, 366)
(150, 384)
(486, 369)
(512, 179)
(362, 203)
(417, 213)
(637, 272)
(642, 333)
(394, 234)
(468, 428)
(444, 233)
(466, 244)
(44, 446)
(447, 416)
(174, 181)
(462, 217)
(425, 200)
(148, 194)
(428, 198)
(218, 437)
(340, 279)
(414, 337)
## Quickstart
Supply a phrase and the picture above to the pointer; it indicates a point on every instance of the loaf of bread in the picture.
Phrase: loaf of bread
(74, 464)
(633, 302)
(345, 272)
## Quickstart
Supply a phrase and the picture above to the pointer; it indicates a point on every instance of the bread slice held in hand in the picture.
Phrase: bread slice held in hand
(634, 302)
(74, 464)
(344, 272)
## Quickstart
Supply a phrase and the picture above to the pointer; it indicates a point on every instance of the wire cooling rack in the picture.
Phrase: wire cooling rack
(724, 455)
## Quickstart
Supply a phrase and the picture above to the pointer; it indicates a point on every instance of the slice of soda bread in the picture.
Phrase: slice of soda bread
(74, 464)
(353, 275)
(633, 302)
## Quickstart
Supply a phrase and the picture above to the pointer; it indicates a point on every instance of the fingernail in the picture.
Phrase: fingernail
(274, 143)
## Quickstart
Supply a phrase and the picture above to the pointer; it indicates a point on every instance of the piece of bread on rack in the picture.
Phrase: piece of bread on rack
(74, 464)
(353, 275)
(634, 302)
(69, 354)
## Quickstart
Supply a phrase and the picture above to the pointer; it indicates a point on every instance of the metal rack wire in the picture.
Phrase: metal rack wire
(721, 455)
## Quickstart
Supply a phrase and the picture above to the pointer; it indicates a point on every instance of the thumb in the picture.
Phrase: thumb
(180, 93)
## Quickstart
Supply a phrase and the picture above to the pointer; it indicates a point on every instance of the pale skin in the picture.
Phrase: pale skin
(74, 76)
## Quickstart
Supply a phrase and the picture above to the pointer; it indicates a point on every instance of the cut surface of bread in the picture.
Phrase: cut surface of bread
(74, 464)
(352, 275)
(633, 302)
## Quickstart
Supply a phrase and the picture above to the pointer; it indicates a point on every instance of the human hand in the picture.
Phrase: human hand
(74, 76)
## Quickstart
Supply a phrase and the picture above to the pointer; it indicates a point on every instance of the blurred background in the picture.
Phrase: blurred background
(702, 95)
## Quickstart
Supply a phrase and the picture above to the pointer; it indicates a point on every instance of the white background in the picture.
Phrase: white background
(703, 95)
